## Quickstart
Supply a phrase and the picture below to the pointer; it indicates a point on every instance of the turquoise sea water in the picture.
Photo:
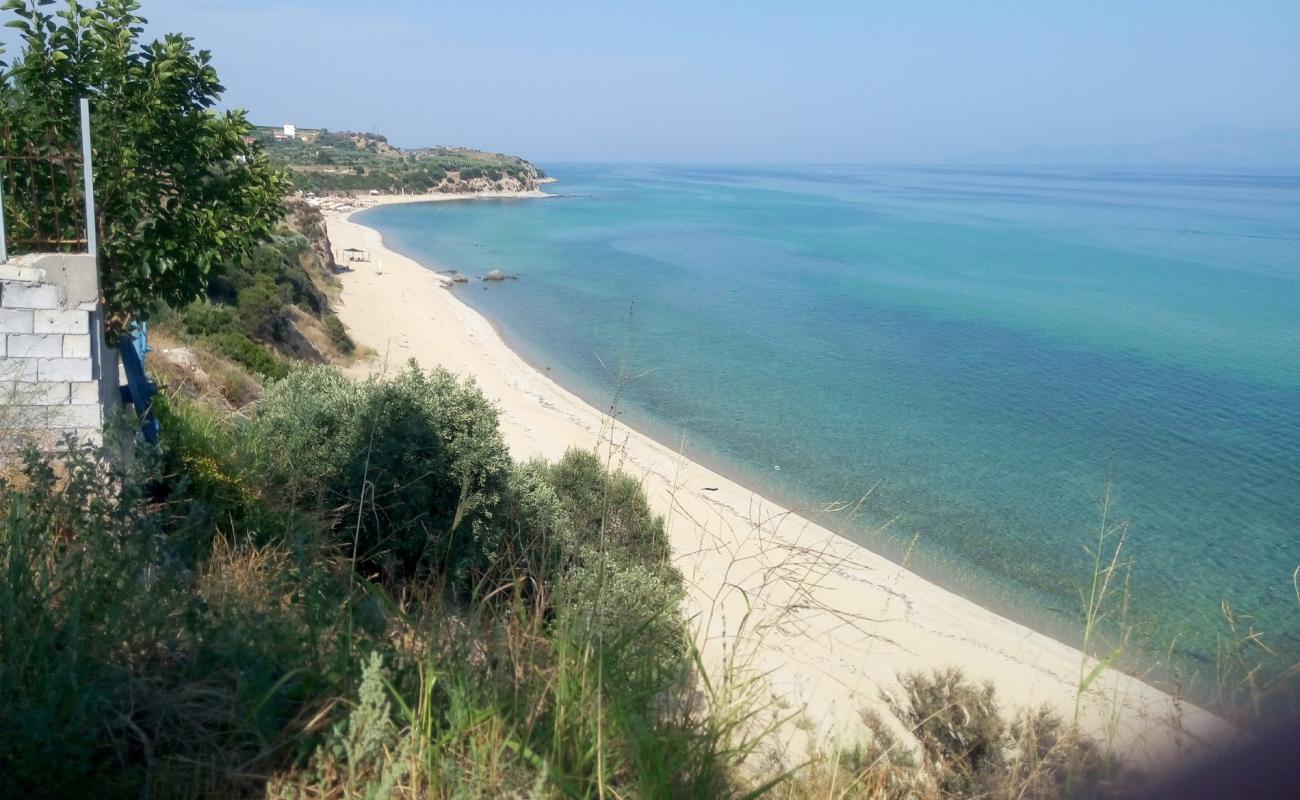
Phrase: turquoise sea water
(984, 350)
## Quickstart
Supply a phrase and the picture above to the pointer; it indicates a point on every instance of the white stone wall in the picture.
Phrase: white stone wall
(52, 353)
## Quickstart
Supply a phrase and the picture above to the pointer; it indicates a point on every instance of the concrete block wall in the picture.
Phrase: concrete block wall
(56, 375)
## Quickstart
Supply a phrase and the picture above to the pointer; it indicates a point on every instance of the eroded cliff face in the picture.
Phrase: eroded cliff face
(506, 183)
(307, 220)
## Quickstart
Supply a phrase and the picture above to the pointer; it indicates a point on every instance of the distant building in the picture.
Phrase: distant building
(290, 130)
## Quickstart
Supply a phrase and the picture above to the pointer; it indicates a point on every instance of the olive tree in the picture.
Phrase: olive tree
(178, 187)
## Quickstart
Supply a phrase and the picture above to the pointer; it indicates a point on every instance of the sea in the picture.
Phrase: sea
(989, 374)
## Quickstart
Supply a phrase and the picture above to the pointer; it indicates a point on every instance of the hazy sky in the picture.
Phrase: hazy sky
(793, 81)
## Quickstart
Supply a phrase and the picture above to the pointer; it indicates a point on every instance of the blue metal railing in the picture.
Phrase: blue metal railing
(139, 390)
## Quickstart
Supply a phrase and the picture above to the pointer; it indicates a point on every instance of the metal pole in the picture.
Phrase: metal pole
(88, 175)
(4, 249)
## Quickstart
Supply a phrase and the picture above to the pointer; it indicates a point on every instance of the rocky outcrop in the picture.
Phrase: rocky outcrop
(454, 184)
(303, 337)
(307, 220)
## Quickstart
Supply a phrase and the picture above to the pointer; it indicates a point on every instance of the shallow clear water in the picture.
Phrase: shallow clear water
(984, 350)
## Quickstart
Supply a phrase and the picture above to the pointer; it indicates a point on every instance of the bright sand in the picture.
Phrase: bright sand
(828, 622)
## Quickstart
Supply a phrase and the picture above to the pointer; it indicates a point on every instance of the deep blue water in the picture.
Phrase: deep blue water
(985, 350)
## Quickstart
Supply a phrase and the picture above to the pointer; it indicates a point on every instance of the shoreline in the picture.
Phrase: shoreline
(828, 621)
(971, 591)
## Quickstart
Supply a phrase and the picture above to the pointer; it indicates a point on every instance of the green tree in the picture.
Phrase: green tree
(177, 187)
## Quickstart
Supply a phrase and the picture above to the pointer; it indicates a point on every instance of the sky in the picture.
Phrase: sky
(775, 82)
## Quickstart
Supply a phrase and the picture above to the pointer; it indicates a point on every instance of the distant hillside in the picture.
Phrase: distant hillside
(325, 161)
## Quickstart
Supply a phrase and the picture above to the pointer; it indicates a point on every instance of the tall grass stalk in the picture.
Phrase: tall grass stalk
(1109, 575)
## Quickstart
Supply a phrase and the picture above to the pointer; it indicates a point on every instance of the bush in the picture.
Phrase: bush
(612, 508)
(202, 318)
(183, 629)
(629, 613)
(415, 466)
(958, 725)
(244, 351)
(71, 611)
(137, 654)
(262, 309)
(954, 743)
(339, 335)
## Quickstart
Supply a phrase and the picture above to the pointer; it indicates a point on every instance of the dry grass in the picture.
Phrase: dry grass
(188, 369)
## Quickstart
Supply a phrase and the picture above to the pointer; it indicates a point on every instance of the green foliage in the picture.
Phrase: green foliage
(324, 161)
(620, 588)
(262, 309)
(537, 717)
(175, 626)
(262, 287)
(244, 351)
(608, 510)
(138, 646)
(253, 299)
(64, 606)
(177, 188)
(629, 612)
(339, 335)
(415, 466)
(365, 740)
(203, 318)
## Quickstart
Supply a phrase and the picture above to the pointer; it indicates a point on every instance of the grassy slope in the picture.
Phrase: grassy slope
(258, 318)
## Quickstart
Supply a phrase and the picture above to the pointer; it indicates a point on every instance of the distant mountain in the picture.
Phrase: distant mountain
(1214, 147)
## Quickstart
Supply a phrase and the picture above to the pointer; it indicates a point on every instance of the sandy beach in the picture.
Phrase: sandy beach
(829, 623)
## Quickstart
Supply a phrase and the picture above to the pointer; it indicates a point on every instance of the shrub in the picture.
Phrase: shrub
(965, 750)
(244, 351)
(415, 464)
(531, 528)
(608, 508)
(1054, 760)
(306, 430)
(135, 652)
(178, 629)
(203, 318)
(958, 725)
(630, 615)
(339, 335)
(72, 611)
(262, 309)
